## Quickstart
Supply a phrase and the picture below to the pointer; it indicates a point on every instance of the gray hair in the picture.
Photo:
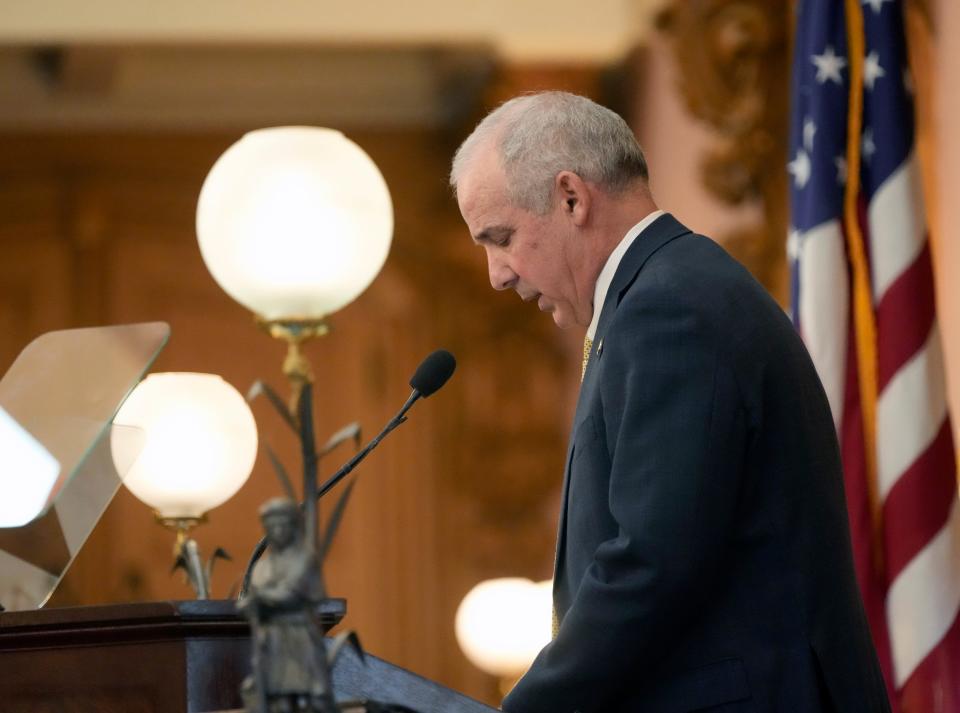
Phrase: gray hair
(539, 135)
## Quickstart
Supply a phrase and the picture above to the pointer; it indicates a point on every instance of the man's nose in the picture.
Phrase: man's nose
(501, 276)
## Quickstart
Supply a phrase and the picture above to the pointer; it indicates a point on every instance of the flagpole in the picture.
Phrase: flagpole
(864, 319)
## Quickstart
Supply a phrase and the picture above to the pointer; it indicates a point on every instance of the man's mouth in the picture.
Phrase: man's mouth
(529, 298)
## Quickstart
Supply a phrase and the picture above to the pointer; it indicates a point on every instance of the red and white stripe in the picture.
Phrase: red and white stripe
(825, 296)
(916, 471)
(914, 601)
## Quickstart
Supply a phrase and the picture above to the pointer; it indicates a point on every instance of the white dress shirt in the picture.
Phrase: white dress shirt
(610, 268)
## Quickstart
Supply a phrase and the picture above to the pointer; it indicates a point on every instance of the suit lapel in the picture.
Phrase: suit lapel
(659, 233)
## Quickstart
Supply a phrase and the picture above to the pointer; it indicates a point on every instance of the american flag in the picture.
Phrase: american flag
(862, 297)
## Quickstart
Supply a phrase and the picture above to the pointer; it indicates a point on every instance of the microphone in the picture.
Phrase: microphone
(434, 371)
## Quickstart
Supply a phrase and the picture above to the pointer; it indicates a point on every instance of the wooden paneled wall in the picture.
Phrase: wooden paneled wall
(99, 229)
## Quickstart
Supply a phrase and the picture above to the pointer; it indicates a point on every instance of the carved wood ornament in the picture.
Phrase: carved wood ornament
(733, 58)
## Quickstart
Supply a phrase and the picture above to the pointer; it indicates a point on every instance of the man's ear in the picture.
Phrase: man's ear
(574, 196)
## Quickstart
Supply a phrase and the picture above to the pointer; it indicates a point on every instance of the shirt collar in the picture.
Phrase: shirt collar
(610, 268)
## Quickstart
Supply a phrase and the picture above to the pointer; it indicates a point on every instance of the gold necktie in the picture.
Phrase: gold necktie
(587, 347)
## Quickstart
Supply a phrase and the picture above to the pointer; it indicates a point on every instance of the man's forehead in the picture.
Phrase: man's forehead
(487, 215)
(481, 193)
(483, 171)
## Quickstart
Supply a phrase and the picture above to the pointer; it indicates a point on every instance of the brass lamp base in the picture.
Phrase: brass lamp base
(186, 553)
(180, 525)
(295, 331)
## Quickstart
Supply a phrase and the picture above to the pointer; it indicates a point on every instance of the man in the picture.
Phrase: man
(703, 560)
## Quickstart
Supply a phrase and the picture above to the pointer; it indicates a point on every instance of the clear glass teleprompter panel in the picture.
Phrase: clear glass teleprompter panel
(57, 404)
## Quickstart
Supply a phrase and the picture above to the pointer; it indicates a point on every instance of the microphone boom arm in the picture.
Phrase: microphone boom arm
(328, 485)
(347, 467)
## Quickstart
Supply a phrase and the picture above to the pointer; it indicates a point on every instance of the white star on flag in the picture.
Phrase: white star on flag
(829, 65)
(841, 163)
(867, 146)
(793, 245)
(809, 131)
(876, 5)
(799, 168)
(872, 70)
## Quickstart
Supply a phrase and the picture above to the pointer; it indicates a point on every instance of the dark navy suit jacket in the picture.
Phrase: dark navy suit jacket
(703, 560)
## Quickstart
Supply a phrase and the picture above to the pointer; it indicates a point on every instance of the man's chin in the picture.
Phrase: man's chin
(562, 319)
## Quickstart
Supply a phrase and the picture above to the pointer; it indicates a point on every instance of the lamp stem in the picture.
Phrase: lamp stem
(186, 552)
(296, 367)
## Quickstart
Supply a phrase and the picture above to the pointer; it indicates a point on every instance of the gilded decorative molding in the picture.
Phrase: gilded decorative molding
(733, 58)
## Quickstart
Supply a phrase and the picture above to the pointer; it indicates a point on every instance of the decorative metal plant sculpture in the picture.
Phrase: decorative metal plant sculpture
(282, 592)
(198, 575)
(284, 586)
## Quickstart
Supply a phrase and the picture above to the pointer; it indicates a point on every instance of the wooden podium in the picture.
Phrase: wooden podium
(170, 657)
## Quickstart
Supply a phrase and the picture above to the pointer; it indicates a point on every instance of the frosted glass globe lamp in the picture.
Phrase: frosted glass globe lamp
(294, 223)
(199, 446)
(501, 625)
